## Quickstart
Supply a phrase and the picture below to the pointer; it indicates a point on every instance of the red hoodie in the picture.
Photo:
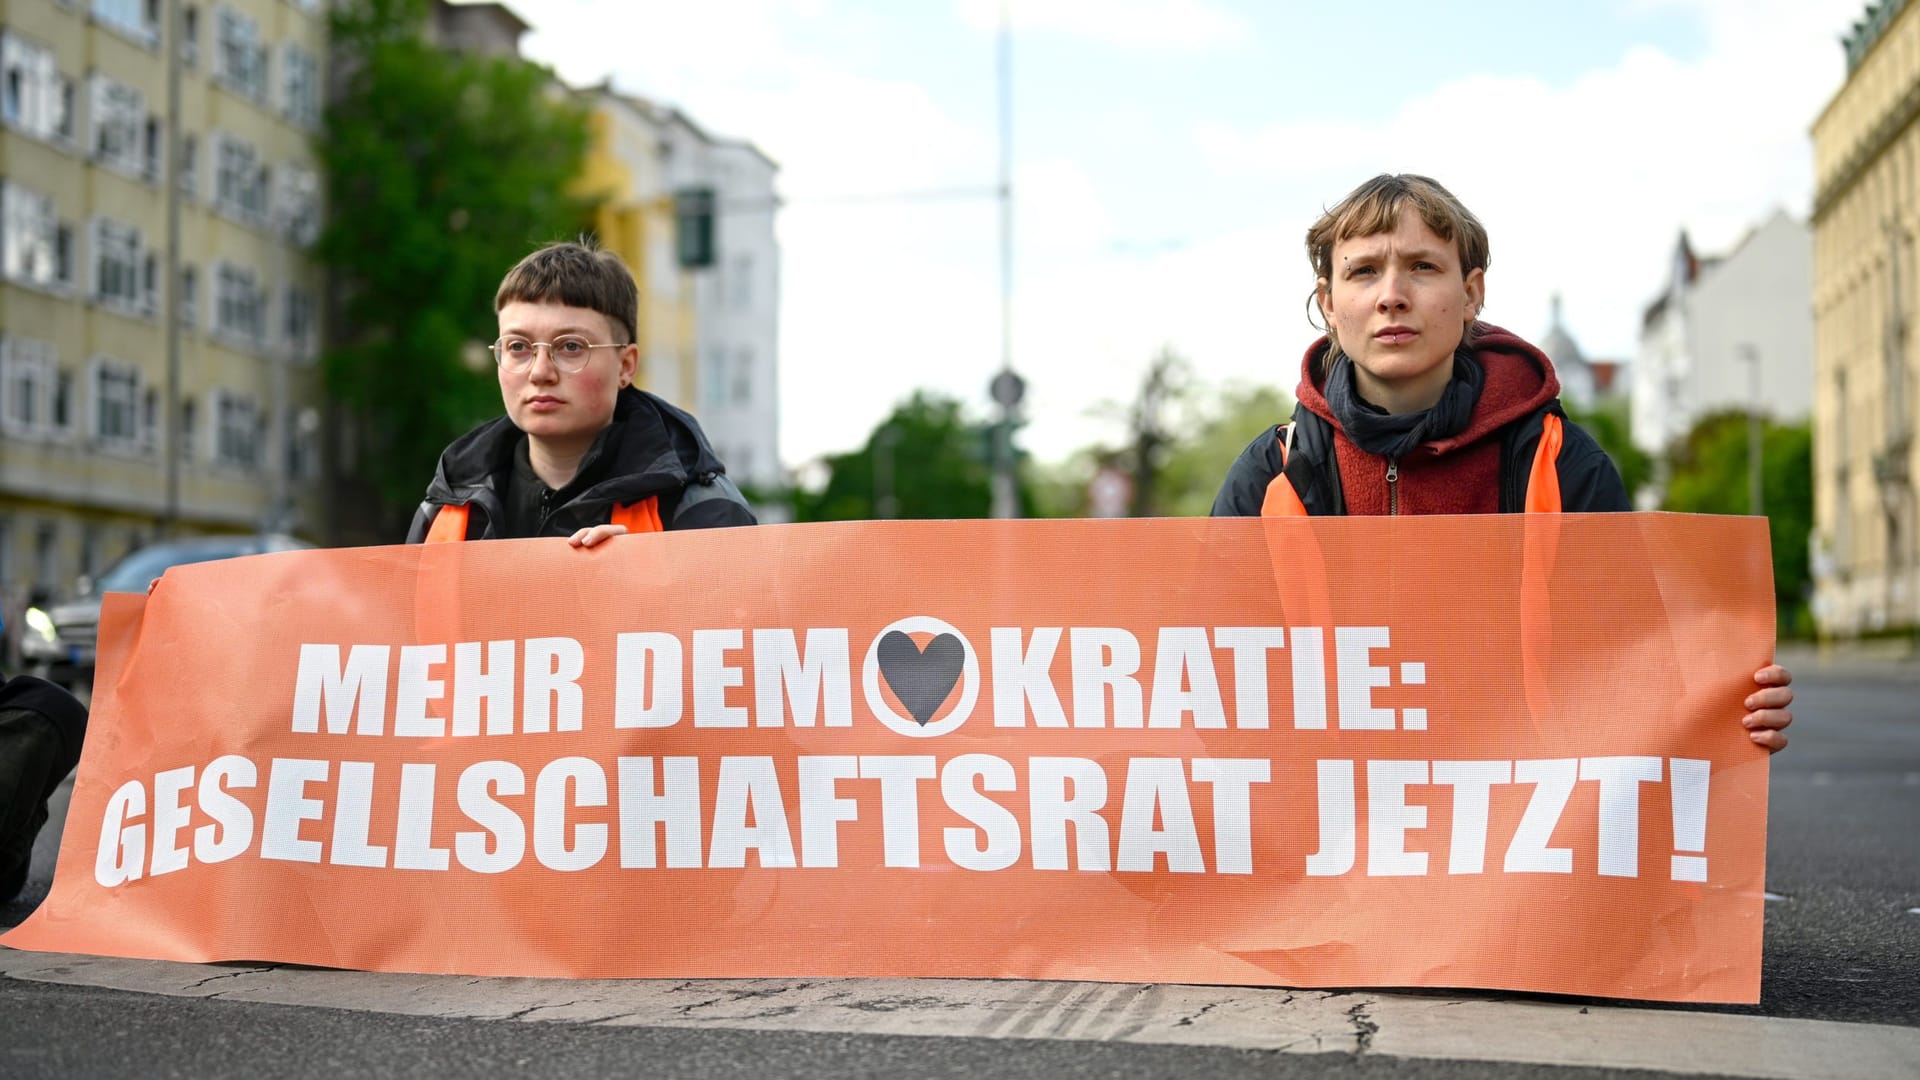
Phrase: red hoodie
(1459, 474)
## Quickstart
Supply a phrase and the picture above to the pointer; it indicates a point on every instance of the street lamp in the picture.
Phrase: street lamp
(1751, 356)
(1007, 388)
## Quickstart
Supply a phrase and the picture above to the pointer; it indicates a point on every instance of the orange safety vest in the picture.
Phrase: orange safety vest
(1543, 480)
(450, 524)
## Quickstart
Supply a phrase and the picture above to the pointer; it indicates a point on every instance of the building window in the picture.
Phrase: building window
(239, 304)
(298, 325)
(299, 86)
(116, 403)
(713, 387)
(189, 296)
(90, 549)
(189, 165)
(38, 247)
(119, 117)
(296, 203)
(123, 272)
(137, 19)
(190, 36)
(740, 282)
(240, 59)
(742, 376)
(34, 96)
(151, 165)
(63, 400)
(27, 377)
(303, 445)
(126, 138)
(46, 556)
(240, 180)
(236, 430)
(188, 419)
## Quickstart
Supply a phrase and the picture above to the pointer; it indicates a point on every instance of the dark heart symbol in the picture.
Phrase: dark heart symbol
(921, 678)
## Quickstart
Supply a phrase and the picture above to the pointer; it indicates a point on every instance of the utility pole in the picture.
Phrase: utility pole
(1007, 388)
(886, 504)
(1751, 356)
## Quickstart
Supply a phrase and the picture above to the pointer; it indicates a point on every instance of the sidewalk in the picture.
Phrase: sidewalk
(1894, 660)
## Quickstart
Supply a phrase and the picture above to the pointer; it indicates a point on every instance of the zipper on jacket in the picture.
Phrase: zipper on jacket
(1393, 486)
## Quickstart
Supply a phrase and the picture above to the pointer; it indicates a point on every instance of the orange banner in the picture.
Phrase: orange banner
(1499, 752)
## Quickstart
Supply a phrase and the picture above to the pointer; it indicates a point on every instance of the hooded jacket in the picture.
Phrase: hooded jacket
(1463, 473)
(650, 449)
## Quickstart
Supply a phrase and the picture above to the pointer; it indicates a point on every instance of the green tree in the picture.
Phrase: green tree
(442, 170)
(926, 460)
(1219, 430)
(1610, 425)
(1710, 475)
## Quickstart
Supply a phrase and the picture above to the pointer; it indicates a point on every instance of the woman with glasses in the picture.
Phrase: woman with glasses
(581, 451)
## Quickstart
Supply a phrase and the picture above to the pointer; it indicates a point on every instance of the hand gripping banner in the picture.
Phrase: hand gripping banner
(1499, 752)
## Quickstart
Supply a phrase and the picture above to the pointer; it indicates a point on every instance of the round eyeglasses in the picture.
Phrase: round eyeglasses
(569, 354)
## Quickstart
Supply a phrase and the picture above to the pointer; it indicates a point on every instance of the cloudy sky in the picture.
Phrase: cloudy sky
(1170, 154)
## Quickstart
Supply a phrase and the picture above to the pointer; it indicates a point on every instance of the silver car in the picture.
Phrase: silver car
(57, 643)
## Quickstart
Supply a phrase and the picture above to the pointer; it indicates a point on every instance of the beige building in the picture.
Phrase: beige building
(94, 345)
(627, 172)
(1866, 295)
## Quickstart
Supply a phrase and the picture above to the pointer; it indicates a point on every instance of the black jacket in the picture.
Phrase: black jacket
(1480, 469)
(650, 449)
(1588, 480)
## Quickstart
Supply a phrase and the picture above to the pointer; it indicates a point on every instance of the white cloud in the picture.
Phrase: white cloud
(1134, 24)
(1584, 187)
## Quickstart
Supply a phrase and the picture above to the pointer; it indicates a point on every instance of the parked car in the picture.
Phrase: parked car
(57, 641)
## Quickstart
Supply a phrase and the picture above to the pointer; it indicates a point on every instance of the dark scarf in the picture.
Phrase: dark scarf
(1392, 436)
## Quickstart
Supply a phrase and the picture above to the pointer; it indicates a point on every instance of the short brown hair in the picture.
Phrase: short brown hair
(1374, 207)
(578, 274)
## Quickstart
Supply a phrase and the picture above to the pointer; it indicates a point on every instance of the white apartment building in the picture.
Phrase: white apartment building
(1733, 332)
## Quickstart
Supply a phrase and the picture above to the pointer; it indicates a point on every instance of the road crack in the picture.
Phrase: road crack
(1188, 1021)
(1363, 1027)
(228, 975)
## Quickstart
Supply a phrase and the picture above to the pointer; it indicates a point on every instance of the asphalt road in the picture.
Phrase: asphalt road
(1842, 944)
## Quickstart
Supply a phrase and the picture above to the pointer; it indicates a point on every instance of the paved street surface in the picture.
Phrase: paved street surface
(1840, 997)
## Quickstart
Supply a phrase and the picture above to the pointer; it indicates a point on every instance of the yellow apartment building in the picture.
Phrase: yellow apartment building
(626, 170)
(129, 408)
(1866, 294)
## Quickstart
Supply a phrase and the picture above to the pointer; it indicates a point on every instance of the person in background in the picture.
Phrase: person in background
(1409, 404)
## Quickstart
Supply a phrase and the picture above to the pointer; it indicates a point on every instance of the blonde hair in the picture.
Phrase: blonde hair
(1374, 207)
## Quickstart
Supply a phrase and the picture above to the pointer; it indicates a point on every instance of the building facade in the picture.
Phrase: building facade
(1578, 384)
(1866, 287)
(692, 215)
(149, 386)
(737, 315)
(1727, 333)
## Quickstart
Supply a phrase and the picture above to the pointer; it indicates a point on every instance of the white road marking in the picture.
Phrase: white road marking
(1290, 1021)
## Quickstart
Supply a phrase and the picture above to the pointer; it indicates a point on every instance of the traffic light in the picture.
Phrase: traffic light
(693, 211)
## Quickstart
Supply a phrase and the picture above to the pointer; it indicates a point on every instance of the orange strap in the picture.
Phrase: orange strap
(450, 524)
(1543, 482)
(640, 517)
(1281, 500)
